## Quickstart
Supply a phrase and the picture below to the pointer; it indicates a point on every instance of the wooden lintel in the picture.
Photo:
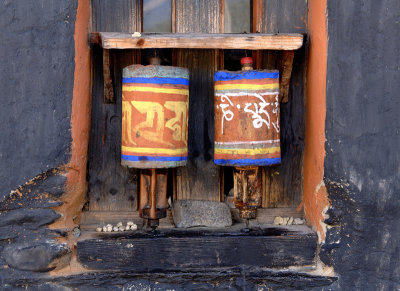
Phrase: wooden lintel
(285, 68)
(250, 41)
(108, 83)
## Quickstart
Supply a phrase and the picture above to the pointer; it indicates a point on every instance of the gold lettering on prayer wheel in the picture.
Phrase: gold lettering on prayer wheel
(154, 116)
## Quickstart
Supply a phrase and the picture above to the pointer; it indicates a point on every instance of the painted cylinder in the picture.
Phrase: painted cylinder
(247, 118)
(155, 102)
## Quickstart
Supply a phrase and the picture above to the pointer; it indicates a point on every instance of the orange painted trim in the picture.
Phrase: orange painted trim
(315, 195)
(80, 125)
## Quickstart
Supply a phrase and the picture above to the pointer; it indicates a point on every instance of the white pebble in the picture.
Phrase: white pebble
(278, 220)
(104, 228)
(130, 223)
(128, 227)
(298, 221)
(108, 225)
(109, 228)
(134, 227)
(290, 221)
(115, 228)
(119, 224)
(121, 228)
(285, 220)
(99, 229)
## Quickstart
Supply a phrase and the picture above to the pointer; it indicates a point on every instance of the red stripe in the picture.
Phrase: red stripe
(240, 157)
(153, 96)
(246, 81)
(166, 86)
(152, 154)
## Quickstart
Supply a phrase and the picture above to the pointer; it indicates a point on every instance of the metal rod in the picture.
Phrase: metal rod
(153, 197)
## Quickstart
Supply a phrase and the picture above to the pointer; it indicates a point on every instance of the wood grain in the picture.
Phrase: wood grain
(108, 84)
(111, 187)
(285, 67)
(116, 40)
(199, 180)
(283, 184)
(273, 247)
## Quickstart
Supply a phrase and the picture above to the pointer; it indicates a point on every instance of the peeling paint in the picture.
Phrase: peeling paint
(80, 124)
(315, 195)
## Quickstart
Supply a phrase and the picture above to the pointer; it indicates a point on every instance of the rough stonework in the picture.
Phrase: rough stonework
(38, 256)
(191, 213)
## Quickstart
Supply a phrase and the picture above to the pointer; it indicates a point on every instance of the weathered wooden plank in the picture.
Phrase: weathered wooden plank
(285, 68)
(108, 84)
(283, 184)
(111, 187)
(289, 16)
(111, 15)
(271, 247)
(116, 40)
(198, 16)
(200, 178)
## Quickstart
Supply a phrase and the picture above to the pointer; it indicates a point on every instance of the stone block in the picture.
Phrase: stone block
(28, 218)
(191, 213)
(38, 256)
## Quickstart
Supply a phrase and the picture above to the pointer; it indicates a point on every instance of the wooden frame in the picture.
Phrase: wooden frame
(253, 41)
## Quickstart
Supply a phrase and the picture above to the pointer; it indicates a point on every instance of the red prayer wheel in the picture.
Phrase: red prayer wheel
(247, 129)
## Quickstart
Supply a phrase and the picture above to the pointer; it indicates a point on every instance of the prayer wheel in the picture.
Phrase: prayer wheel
(154, 129)
(247, 129)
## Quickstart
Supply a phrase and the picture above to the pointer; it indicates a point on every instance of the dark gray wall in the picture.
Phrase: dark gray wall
(362, 166)
(36, 83)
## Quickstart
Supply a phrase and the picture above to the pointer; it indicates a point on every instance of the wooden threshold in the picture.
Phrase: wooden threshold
(176, 249)
(249, 41)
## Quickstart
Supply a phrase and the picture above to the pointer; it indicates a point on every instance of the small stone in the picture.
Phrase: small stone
(99, 229)
(76, 232)
(290, 221)
(109, 228)
(130, 223)
(298, 221)
(108, 225)
(115, 228)
(121, 228)
(104, 228)
(134, 227)
(128, 227)
(119, 224)
(285, 220)
(278, 220)
(229, 200)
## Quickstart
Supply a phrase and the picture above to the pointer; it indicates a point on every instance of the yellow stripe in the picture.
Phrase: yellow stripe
(248, 151)
(157, 90)
(154, 150)
(247, 86)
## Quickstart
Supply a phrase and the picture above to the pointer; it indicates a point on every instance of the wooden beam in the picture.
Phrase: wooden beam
(250, 41)
(175, 249)
(285, 68)
(108, 83)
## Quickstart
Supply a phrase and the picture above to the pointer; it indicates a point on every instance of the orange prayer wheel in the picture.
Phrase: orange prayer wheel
(155, 102)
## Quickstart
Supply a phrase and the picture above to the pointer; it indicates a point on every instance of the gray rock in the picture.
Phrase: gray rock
(190, 213)
(28, 218)
(38, 256)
